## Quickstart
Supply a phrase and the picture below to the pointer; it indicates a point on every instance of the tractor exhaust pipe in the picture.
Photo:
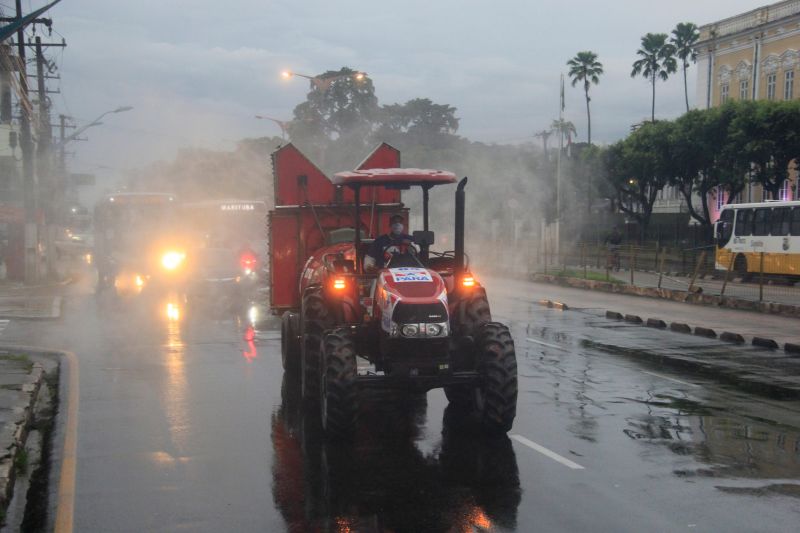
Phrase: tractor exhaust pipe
(459, 241)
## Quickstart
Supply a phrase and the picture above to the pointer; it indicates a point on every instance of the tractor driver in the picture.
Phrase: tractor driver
(374, 258)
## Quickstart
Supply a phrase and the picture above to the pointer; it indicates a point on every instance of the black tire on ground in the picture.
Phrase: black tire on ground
(740, 268)
(497, 365)
(315, 318)
(290, 343)
(458, 395)
(476, 314)
(338, 380)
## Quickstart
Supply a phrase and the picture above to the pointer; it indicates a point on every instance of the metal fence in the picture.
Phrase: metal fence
(687, 269)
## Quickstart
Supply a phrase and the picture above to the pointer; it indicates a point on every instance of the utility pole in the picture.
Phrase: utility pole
(28, 177)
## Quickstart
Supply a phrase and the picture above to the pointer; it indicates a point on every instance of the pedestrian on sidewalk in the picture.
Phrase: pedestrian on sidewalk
(613, 243)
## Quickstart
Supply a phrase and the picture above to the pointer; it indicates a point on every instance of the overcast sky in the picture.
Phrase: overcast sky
(196, 71)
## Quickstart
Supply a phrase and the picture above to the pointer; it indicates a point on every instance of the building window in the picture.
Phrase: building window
(744, 89)
(788, 85)
(771, 87)
(724, 93)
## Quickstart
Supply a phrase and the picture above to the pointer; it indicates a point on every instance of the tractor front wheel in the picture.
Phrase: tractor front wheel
(339, 391)
(496, 398)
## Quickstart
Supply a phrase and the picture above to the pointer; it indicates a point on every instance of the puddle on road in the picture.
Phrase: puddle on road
(385, 481)
(750, 443)
(727, 445)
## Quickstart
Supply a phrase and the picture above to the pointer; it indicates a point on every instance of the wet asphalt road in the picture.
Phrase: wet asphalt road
(184, 425)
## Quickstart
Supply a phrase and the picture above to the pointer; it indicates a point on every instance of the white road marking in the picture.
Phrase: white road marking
(544, 451)
(557, 347)
(669, 378)
(3, 324)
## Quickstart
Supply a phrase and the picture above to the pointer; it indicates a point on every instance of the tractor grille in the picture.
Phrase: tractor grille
(419, 313)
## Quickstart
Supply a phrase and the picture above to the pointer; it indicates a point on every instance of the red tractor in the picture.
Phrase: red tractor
(418, 321)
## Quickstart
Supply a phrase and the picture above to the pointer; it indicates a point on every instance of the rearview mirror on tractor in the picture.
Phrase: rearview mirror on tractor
(423, 238)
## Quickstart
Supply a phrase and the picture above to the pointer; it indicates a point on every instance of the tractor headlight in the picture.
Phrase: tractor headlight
(410, 330)
(433, 330)
(172, 260)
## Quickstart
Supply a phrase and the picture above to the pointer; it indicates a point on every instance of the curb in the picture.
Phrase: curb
(735, 338)
(65, 436)
(8, 471)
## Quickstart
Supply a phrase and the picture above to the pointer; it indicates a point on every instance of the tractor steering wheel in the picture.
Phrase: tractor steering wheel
(406, 248)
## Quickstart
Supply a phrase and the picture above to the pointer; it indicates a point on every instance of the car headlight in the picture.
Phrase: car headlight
(172, 260)
(410, 330)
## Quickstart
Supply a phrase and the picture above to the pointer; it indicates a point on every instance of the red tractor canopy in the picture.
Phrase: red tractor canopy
(394, 177)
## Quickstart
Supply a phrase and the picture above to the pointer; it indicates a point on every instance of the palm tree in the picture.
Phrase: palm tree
(684, 37)
(586, 68)
(656, 60)
(564, 127)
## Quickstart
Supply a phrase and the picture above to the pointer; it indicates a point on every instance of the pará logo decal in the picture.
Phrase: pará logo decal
(410, 274)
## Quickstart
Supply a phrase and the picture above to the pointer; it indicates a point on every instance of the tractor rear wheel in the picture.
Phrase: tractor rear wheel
(339, 391)
(315, 318)
(496, 398)
(290, 344)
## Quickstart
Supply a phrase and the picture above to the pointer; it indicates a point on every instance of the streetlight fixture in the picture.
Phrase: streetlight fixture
(323, 84)
(283, 124)
(95, 122)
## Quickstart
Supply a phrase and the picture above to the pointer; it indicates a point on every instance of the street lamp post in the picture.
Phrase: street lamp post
(323, 84)
(283, 124)
(96, 122)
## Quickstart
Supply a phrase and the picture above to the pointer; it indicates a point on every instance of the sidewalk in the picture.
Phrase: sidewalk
(772, 292)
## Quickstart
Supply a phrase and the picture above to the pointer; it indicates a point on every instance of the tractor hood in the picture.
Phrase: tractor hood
(413, 284)
(412, 302)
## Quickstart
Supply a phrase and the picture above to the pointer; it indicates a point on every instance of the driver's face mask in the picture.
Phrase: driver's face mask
(397, 228)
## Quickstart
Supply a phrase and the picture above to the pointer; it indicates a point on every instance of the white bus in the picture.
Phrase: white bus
(745, 231)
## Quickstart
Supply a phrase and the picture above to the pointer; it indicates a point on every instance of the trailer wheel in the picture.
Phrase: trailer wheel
(496, 397)
(290, 344)
(339, 392)
(315, 319)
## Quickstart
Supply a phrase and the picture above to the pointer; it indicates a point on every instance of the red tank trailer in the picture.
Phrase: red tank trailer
(418, 321)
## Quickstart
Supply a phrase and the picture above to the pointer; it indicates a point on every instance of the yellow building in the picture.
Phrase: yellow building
(751, 56)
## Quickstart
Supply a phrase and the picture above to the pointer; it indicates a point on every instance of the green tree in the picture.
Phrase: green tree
(419, 120)
(585, 67)
(684, 37)
(768, 136)
(338, 116)
(639, 167)
(656, 61)
(698, 141)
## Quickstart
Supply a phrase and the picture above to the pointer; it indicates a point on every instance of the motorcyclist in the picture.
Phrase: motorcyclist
(375, 255)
